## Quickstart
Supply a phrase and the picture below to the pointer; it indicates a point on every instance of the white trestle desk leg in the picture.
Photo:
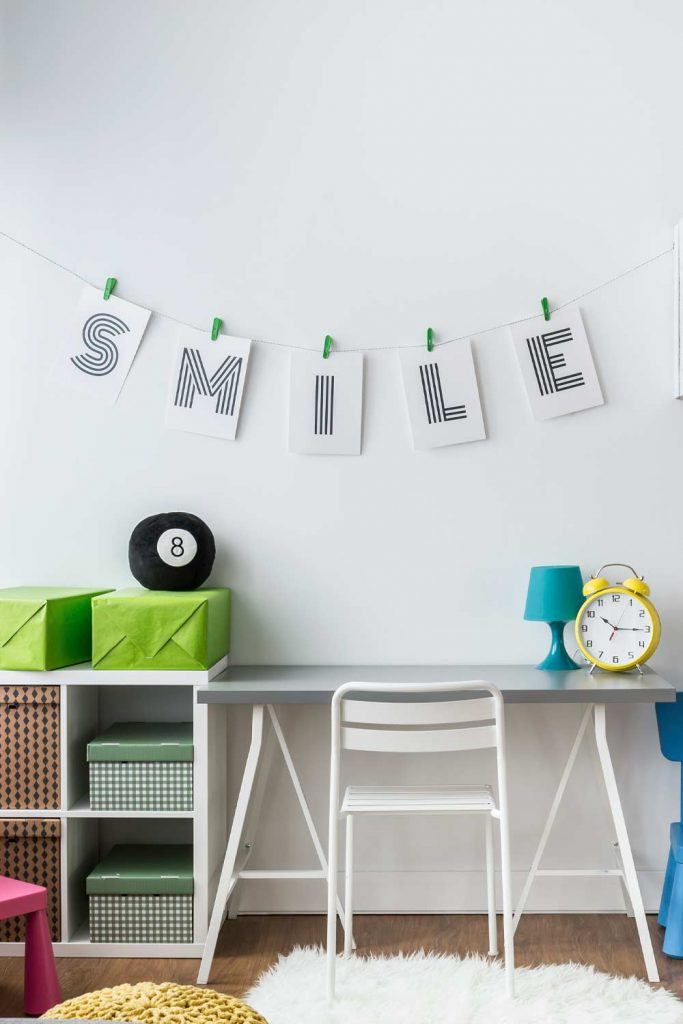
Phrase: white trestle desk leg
(628, 909)
(252, 818)
(630, 876)
(551, 816)
(322, 859)
(228, 879)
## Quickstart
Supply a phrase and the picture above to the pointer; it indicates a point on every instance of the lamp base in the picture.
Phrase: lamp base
(557, 659)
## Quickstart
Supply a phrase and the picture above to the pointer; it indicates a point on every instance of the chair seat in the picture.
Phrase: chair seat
(17, 898)
(418, 800)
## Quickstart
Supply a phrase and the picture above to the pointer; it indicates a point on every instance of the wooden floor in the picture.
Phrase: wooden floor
(250, 944)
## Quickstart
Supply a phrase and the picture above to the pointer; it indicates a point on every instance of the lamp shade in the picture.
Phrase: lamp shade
(555, 593)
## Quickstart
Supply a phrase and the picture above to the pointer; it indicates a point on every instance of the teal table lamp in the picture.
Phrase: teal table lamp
(555, 595)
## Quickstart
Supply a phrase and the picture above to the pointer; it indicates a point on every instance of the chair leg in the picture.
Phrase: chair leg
(332, 901)
(673, 936)
(491, 888)
(348, 888)
(508, 929)
(666, 891)
(41, 984)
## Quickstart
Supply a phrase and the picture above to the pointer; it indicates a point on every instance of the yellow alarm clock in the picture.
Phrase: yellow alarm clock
(617, 627)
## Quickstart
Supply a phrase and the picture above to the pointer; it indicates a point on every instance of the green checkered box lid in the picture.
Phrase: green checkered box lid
(152, 869)
(143, 741)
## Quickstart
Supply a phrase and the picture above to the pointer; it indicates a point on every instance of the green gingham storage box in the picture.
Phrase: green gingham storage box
(142, 894)
(142, 766)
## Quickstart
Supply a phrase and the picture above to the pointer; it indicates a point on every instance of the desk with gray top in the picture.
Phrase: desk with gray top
(264, 687)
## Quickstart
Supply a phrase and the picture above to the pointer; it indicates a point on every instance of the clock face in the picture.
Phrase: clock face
(616, 630)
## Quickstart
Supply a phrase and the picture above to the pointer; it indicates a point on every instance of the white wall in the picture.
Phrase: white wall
(364, 170)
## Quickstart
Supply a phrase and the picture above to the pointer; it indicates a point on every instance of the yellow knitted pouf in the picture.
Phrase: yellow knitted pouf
(158, 1004)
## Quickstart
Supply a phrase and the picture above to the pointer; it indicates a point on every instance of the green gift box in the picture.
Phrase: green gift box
(161, 629)
(45, 627)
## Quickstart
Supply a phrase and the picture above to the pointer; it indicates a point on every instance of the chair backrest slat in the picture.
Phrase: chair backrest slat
(436, 712)
(417, 718)
(414, 741)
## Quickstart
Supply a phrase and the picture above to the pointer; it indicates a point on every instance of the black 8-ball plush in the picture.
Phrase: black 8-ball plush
(171, 551)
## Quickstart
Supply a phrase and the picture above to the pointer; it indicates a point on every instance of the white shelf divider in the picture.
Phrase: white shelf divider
(81, 809)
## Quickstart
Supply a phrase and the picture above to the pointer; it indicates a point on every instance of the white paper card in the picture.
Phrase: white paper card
(325, 403)
(442, 395)
(557, 365)
(99, 350)
(207, 384)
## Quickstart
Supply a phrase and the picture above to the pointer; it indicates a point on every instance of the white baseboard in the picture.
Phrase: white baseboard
(445, 892)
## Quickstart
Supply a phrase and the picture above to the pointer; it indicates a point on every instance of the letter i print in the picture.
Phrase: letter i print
(325, 403)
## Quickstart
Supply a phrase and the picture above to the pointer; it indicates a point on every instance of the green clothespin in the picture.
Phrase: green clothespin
(327, 346)
(217, 324)
(109, 287)
(430, 339)
(546, 308)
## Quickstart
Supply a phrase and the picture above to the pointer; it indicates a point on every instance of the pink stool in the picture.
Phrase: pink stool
(41, 985)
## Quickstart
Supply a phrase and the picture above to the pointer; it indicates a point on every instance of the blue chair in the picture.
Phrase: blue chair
(670, 725)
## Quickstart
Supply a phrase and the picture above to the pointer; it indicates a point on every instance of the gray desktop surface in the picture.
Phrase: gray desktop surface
(521, 684)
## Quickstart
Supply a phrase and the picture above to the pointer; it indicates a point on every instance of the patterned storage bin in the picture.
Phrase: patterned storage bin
(29, 747)
(30, 851)
(142, 766)
(141, 918)
(142, 894)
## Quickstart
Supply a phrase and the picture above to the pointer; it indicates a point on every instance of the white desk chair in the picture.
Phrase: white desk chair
(425, 726)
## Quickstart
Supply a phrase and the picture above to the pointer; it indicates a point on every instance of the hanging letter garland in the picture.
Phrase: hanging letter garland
(326, 391)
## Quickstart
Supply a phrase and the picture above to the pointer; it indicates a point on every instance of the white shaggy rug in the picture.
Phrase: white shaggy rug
(429, 989)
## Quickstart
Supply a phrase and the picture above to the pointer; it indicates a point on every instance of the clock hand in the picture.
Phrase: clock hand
(611, 626)
(615, 629)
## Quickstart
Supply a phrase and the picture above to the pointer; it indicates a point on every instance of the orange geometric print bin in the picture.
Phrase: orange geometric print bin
(30, 851)
(29, 747)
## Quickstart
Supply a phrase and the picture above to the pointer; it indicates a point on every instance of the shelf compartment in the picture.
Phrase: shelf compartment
(90, 838)
(91, 710)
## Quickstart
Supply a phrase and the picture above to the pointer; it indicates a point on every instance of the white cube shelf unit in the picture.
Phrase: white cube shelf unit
(90, 701)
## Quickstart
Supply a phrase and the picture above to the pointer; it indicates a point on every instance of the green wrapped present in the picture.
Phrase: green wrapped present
(45, 627)
(161, 629)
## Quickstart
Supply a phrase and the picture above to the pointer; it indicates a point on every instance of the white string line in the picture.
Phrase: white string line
(377, 348)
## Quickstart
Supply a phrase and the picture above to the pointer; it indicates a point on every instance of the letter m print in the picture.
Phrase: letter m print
(223, 384)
